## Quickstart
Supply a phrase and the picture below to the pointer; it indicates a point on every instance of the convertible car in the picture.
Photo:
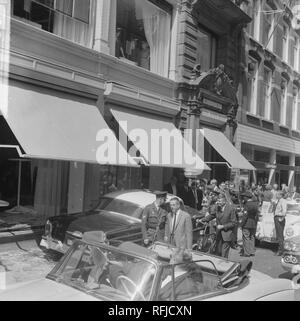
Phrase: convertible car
(94, 271)
(118, 214)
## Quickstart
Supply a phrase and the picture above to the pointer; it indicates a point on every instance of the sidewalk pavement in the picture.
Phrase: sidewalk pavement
(19, 226)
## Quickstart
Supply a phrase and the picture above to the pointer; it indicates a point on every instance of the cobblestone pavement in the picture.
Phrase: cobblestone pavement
(24, 262)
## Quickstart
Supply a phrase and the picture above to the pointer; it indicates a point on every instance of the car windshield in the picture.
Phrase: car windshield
(120, 206)
(106, 274)
(293, 209)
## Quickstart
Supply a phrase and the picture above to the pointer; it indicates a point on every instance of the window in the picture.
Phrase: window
(267, 87)
(69, 19)
(285, 47)
(295, 113)
(143, 34)
(268, 27)
(206, 49)
(253, 78)
(255, 24)
(296, 54)
(283, 102)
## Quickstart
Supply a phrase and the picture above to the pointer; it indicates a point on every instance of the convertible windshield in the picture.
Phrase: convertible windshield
(107, 274)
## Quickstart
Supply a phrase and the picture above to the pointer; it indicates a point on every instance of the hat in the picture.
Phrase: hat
(159, 194)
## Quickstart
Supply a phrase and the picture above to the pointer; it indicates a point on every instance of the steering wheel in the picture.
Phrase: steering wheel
(123, 278)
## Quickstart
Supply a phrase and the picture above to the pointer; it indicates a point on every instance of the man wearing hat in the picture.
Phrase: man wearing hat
(154, 220)
(249, 223)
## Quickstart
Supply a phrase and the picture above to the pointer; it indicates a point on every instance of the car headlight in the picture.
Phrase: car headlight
(289, 232)
(48, 228)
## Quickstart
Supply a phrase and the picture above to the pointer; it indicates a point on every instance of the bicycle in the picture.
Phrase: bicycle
(206, 242)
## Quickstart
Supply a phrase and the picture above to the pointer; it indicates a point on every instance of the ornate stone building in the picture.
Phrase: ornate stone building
(210, 62)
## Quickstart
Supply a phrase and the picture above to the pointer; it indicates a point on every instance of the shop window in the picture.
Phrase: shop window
(69, 19)
(261, 156)
(282, 159)
(297, 161)
(206, 49)
(143, 34)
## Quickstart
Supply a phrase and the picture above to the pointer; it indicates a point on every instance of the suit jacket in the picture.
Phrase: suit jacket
(227, 218)
(168, 188)
(249, 220)
(183, 232)
(191, 200)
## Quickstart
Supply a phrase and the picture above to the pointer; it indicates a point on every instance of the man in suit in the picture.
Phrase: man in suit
(249, 223)
(172, 187)
(226, 221)
(179, 227)
(194, 197)
(154, 220)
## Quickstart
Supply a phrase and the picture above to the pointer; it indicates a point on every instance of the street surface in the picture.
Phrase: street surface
(25, 261)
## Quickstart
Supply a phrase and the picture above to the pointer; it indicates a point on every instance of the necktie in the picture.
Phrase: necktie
(196, 196)
(173, 228)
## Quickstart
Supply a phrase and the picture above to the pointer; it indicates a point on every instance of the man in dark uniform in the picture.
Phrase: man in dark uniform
(154, 220)
(249, 223)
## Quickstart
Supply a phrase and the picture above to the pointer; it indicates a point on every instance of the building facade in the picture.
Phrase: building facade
(79, 66)
(269, 124)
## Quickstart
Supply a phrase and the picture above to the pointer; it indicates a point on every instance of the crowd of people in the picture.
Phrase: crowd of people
(228, 207)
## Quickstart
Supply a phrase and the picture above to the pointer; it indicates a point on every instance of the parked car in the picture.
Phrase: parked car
(290, 260)
(93, 271)
(118, 214)
(266, 227)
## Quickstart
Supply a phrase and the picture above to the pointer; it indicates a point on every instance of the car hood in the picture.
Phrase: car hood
(43, 290)
(102, 221)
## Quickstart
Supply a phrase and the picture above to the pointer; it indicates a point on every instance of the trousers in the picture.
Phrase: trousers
(279, 228)
(249, 241)
(222, 247)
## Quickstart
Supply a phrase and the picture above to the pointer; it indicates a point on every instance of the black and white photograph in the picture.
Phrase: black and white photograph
(149, 153)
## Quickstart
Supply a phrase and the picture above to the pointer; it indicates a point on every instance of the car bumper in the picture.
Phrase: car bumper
(289, 266)
(49, 243)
